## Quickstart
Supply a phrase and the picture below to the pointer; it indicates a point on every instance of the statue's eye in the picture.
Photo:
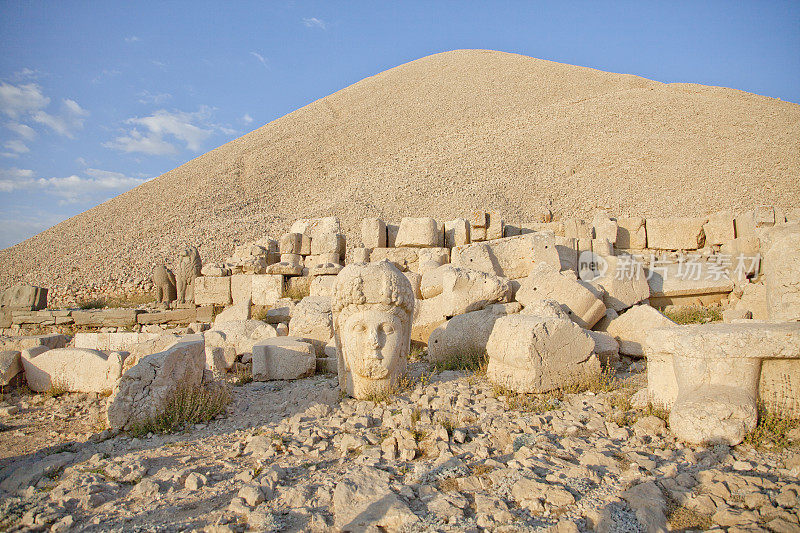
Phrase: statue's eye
(359, 327)
(387, 328)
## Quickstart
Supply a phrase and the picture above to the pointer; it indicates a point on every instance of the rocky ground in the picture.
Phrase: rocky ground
(449, 453)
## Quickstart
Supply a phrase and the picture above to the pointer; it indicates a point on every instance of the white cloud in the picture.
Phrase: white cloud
(247, 119)
(146, 97)
(67, 121)
(132, 39)
(260, 58)
(19, 100)
(72, 188)
(15, 178)
(15, 147)
(189, 128)
(23, 130)
(24, 75)
(314, 22)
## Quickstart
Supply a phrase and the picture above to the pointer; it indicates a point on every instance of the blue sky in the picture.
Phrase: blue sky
(96, 97)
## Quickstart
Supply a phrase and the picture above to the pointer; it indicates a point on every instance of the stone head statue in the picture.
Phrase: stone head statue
(373, 306)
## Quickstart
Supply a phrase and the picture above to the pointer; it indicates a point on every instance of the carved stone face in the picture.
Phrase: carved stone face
(373, 349)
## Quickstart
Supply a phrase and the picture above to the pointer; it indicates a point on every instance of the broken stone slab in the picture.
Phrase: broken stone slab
(604, 227)
(312, 321)
(290, 243)
(496, 227)
(322, 225)
(226, 341)
(322, 286)
(242, 288)
(684, 361)
(545, 282)
(719, 229)
(19, 343)
(212, 291)
(142, 389)
(631, 328)
(173, 316)
(510, 257)
(234, 313)
(98, 318)
(403, 258)
(672, 284)
(116, 342)
(285, 268)
(624, 283)
(631, 233)
(39, 318)
(24, 297)
(10, 365)
(467, 334)
(782, 278)
(283, 358)
(73, 369)
(329, 243)
(675, 233)
(364, 501)
(537, 354)
(266, 289)
(605, 346)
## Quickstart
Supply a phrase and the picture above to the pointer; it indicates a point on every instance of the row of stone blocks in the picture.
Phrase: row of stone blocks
(624, 233)
(100, 318)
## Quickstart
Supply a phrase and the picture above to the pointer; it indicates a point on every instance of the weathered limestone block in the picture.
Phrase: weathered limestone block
(212, 291)
(567, 249)
(537, 354)
(373, 305)
(213, 269)
(240, 334)
(291, 243)
(510, 257)
(284, 268)
(479, 219)
(417, 233)
(495, 229)
(631, 233)
(266, 289)
(604, 227)
(325, 270)
(164, 284)
(373, 233)
(711, 375)
(402, 258)
(142, 390)
(24, 297)
(437, 255)
(670, 283)
(283, 358)
(431, 282)
(391, 234)
(416, 281)
(364, 501)
(173, 317)
(298, 286)
(10, 366)
(719, 229)
(309, 226)
(74, 369)
(456, 232)
(577, 229)
(744, 253)
(323, 286)
(765, 215)
(294, 259)
(779, 385)
(624, 283)
(242, 289)
(466, 334)
(602, 247)
(745, 225)
(605, 346)
(97, 318)
(232, 313)
(477, 234)
(357, 255)
(545, 308)
(465, 290)
(312, 321)
(545, 282)
(329, 243)
(675, 233)
(631, 328)
(51, 341)
(782, 278)
(115, 342)
(754, 299)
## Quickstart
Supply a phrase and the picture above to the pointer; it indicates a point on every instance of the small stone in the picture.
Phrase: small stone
(251, 494)
(194, 481)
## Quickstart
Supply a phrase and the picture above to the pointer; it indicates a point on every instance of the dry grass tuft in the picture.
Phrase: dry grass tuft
(772, 430)
(57, 388)
(475, 362)
(186, 405)
(682, 518)
(694, 314)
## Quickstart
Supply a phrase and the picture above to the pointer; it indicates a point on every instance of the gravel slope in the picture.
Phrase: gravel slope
(441, 136)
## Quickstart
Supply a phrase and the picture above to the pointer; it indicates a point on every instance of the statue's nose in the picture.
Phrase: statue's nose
(373, 340)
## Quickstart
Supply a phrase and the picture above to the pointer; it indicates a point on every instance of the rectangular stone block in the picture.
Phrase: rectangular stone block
(496, 226)
(719, 229)
(477, 234)
(675, 233)
(479, 219)
(173, 316)
(391, 234)
(98, 318)
(212, 291)
(328, 243)
(373, 233)
(418, 232)
(577, 229)
(682, 280)
(242, 288)
(283, 358)
(266, 289)
(291, 243)
(24, 297)
(402, 258)
(631, 234)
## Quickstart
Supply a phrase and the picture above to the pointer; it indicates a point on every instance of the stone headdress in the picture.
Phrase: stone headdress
(370, 286)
